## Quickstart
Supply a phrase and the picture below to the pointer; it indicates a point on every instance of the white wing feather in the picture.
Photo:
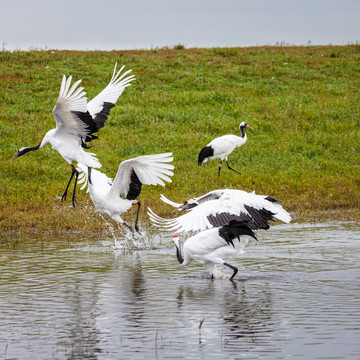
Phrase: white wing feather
(232, 202)
(100, 181)
(209, 196)
(112, 91)
(168, 201)
(150, 169)
(194, 220)
(70, 100)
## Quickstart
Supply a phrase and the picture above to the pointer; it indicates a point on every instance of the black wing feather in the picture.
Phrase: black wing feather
(94, 124)
(271, 199)
(87, 119)
(260, 218)
(102, 116)
(135, 186)
(256, 219)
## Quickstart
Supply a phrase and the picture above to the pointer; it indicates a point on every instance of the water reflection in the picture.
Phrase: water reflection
(296, 295)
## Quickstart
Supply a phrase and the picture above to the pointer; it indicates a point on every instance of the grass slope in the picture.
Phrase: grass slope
(302, 101)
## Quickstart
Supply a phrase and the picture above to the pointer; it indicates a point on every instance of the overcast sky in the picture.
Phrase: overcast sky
(143, 24)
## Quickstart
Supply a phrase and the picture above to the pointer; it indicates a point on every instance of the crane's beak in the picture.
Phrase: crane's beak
(24, 150)
(181, 208)
(14, 157)
(249, 127)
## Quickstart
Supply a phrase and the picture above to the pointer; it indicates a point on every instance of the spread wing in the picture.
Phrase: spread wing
(99, 107)
(70, 111)
(209, 196)
(147, 170)
(237, 205)
(198, 219)
(212, 195)
(100, 181)
(170, 202)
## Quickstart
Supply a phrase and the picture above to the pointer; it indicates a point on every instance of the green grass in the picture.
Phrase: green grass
(302, 101)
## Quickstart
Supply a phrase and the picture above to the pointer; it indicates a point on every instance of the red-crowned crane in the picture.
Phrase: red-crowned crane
(77, 120)
(214, 246)
(218, 207)
(113, 198)
(223, 146)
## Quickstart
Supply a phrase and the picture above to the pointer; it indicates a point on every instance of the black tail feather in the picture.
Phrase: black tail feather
(204, 153)
(234, 229)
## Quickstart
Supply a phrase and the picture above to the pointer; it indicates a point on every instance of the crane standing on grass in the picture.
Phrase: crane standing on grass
(77, 120)
(223, 146)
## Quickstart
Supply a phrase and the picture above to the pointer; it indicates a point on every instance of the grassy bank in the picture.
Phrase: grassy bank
(303, 103)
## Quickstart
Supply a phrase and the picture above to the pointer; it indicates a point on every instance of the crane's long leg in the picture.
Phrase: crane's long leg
(137, 217)
(129, 227)
(220, 165)
(231, 267)
(232, 168)
(73, 170)
(74, 196)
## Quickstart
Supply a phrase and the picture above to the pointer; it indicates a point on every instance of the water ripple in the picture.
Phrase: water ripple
(296, 294)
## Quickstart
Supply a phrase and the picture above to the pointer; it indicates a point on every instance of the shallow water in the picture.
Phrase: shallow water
(297, 294)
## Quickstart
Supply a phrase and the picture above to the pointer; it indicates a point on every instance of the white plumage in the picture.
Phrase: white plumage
(214, 246)
(112, 198)
(218, 207)
(223, 146)
(77, 120)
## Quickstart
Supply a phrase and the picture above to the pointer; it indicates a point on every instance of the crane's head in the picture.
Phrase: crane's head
(24, 150)
(245, 125)
(176, 240)
(188, 204)
(178, 252)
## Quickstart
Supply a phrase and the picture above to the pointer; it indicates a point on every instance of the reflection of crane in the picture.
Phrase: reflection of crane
(77, 121)
(218, 207)
(223, 146)
(215, 245)
(132, 174)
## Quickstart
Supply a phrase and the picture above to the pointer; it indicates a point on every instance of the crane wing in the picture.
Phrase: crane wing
(209, 196)
(99, 107)
(168, 201)
(198, 219)
(147, 170)
(100, 181)
(233, 205)
(70, 111)
(212, 195)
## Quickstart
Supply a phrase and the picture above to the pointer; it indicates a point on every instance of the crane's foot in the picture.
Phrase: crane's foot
(73, 199)
(137, 229)
(235, 269)
(129, 227)
(63, 197)
(230, 168)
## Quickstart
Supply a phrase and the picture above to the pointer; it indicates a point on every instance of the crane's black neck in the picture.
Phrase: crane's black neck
(89, 175)
(242, 129)
(27, 149)
(178, 255)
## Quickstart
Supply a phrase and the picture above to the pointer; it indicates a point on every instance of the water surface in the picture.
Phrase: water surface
(297, 295)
